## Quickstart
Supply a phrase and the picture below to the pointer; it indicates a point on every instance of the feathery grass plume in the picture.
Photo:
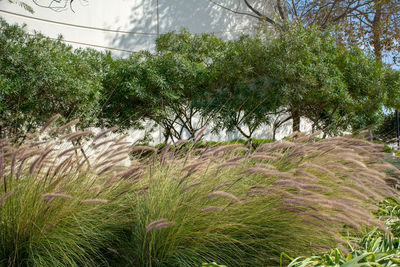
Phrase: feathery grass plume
(230, 164)
(66, 151)
(308, 137)
(200, 134)
(321, 226)
(39, 160)
(282, 145)
(77, 134)
(267, 172)
(296, 153)
(370, 178)
(51, 121)
(265, 166)
(237, 158)
(1, 172)
(211, 208)
(215, 188)
(55, 195)
(316, 186)
(317, 216)
(258, 186)
(153, 224)
(309, 165)
(379, 155)
(163, 154)
(95, 146)
(339, 150)
(32, 167)
(117, 153)
(94, 200)
(356, 162)
(296, 202)
(112, 167)
(289, 183)
(103, 133)
(303, 179)
(193, 166)
(345, 220)
(337, 166)
(372, 172)
(13, 161)
(105, 153)
(104, 162)
(30, 153)
(261, 156)
(67, 125)
(371, 192)
(61, 165)
(128, 173)
(223, 194)
(5, 196)
(350, 155)
(384, 167)
(307, 193)
(257, 191)
(354, 191)
(351, 201)
(186, 188)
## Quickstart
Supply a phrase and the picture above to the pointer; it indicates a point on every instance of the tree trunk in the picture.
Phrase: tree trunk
(377, 30)
(296, 120)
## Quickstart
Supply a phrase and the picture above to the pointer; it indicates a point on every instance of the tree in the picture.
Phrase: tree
(242, 95)
(40, 77)
(132, 92)
(192, 72)
(366, 23)
(332, 86)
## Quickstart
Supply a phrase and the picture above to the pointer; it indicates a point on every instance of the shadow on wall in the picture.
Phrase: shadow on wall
(198, 16)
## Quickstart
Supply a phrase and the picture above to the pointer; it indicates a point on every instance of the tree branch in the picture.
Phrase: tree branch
(233, 11)
(259, 14)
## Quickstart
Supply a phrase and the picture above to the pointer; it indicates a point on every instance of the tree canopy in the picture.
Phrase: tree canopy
(40, 77)
(194, 80)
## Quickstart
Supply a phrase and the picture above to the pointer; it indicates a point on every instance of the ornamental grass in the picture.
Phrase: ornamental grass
(82, 199)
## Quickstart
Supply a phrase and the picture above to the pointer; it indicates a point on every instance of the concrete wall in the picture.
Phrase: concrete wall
(128, 25)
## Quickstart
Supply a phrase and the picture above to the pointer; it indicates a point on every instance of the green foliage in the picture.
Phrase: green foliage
(324, 82)
(242, 94)
(40, 77)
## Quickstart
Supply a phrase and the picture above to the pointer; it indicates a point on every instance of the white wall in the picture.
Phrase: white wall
(129, 25)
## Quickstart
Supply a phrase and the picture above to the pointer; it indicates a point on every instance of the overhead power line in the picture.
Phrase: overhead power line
(78, 26)
(103, 30)
(109, 30)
